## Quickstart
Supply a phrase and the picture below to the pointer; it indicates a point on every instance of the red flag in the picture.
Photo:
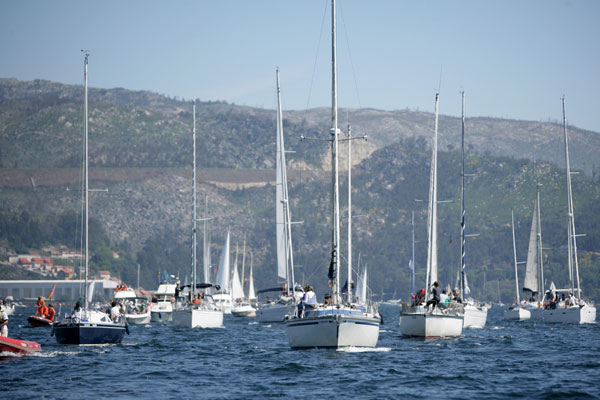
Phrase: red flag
(51, 292)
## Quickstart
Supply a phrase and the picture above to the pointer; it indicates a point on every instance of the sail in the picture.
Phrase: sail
(206, 260)
(90, 293)
(237, 292)
(362, 287)
(223, 273)
(432, 256)
(251, 292)
(531, 272)
(279, 203)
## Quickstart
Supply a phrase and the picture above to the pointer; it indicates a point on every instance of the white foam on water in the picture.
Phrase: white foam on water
(353, 349)
(253, 323)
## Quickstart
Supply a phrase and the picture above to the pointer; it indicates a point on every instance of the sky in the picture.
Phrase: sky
(514, 59)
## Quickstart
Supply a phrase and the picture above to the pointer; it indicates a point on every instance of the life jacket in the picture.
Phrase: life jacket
(196, 301)
(43, 310)
(51, 314)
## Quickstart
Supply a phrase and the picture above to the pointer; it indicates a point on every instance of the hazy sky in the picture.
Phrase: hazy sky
(513, 58)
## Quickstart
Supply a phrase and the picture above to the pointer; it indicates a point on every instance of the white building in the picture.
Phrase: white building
(69, 290)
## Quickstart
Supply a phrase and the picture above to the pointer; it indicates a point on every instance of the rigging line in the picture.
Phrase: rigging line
(350, 55)
(312, 78)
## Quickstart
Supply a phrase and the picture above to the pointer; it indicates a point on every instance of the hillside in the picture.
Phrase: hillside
(140, 147)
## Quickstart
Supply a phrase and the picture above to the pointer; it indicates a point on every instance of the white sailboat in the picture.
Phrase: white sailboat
(517, 311)
(415, 321)
(241, 306)
(222, 296)
(88, 326)
(199, 312)
(338, 324)
(475, 314)
(533, 285)
(278, 309)
(579, 311)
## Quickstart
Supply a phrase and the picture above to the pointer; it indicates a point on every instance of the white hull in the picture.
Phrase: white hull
(573, 315)
(433, 325)
(223, 301)
(138, 319)
(537, 314)
(243, 311)
(517, 314)
(475, 316)
(198, 318)
(161, 312)
(269, 313)
(333, 331)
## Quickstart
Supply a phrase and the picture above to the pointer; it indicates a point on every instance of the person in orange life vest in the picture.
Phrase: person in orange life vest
(51, 313)
(41, 306)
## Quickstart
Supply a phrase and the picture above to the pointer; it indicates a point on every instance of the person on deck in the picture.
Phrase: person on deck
(3, 322)
(76, 312)
(41, 307)
(434, 301)
(115, 312)
(309, 300)
(51, 313)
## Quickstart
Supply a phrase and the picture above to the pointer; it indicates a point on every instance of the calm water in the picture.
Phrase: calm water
(246, 359)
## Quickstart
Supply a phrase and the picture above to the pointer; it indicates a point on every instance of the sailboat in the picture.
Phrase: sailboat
(339, 324)
(222, 296)
(475, 314)
(278, 309)
(241, 306)
(517, 311)
(578, 310)
(415, 320)
(199, 312)
(533, 285)
(89, 326)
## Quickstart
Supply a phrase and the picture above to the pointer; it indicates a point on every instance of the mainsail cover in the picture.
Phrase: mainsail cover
(223, 272)
(531, 272)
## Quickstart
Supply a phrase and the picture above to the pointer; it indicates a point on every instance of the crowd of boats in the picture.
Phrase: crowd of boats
(347, 316)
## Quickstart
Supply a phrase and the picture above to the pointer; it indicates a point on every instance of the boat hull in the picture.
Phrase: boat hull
(574, 315)
(269, 313)
(68, 332)
(333, 331)
(161, 312)
(223, 301)
(424, 325)
(138, 319)
(16, 346)
(245, 311)
(517, 314)
(198, 318)
(475, 316)
(37, 321)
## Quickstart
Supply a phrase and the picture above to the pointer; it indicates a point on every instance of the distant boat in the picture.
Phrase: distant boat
(241, 305)
(518, 311)
(578, 311)
(91, 326)
(276, 310)
(137, 310)
(199, 312)
(533, 285)
(475, 313)
(415, 320)
(339, 323)
(163, 303)
(223, 297)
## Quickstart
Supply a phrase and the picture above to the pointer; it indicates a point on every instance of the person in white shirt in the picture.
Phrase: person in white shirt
(309, 300)
(4, 324)
(115, 312)
(76, 314)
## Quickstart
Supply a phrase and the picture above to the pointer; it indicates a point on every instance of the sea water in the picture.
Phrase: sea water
(246, 359)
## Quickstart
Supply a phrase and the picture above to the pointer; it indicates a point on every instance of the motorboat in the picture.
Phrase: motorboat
(137, 310)
(163, 303)
(10, 346)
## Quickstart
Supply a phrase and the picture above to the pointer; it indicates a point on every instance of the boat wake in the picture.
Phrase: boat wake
(352, 349)
(253, 323)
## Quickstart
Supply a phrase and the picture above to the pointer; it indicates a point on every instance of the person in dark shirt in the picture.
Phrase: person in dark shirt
(435, 291)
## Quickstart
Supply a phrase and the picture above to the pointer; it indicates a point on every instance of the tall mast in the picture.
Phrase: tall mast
(432, 212)
(462, 195)
(572, 247)
(349, 214)
(86, 189)
(515, 256)
(334, 148)
(194, 207)
(412, 259)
